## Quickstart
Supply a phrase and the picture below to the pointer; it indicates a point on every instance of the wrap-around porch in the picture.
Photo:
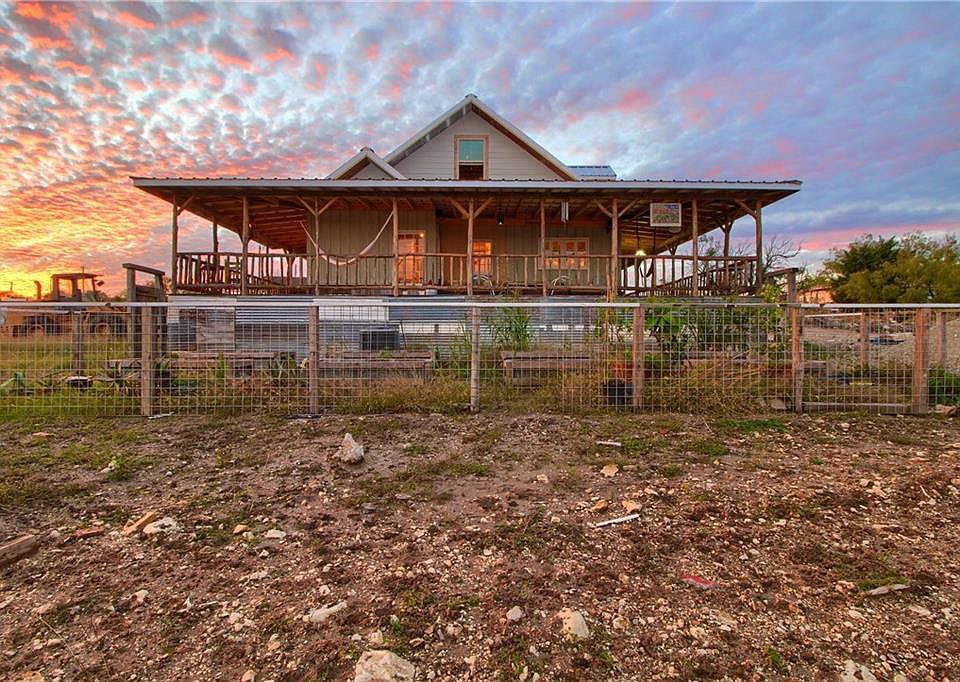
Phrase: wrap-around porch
(400, 238)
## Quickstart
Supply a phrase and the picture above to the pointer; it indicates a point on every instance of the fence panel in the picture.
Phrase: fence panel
(441, 355)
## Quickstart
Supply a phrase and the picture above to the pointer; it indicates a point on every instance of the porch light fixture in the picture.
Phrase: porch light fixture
(640, 253)
(499, 219)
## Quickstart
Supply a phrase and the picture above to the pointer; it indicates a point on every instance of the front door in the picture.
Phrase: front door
(410, 250)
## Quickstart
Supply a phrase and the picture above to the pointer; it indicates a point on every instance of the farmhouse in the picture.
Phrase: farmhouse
(470, 204)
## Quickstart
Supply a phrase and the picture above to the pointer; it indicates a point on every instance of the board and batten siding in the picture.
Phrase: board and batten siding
(523, 240)
(371, 172)
(507, 160)
(346, 233)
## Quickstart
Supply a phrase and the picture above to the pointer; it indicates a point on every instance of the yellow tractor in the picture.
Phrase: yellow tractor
(100, 320)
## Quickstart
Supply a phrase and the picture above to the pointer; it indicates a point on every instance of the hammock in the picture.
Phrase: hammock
(338, 262)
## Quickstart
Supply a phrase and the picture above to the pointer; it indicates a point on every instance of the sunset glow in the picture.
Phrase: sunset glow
(860, 101)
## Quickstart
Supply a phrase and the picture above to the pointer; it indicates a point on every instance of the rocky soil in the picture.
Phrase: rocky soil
(468, 548)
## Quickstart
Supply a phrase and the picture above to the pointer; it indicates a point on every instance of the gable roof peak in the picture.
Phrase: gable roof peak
(469, 103)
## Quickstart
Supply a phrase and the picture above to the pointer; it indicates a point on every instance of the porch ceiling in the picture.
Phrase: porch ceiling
(278, 214)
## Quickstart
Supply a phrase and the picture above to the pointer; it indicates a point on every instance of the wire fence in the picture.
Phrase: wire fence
(368, 356)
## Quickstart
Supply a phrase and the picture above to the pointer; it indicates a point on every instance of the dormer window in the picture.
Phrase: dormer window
(471, 158)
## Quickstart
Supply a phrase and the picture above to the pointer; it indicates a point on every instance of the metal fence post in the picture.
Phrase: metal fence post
(475, 359)
(77, 335)
(313, 358)
(147, 361)
(638, 365)
(921, 364)
(796, 356)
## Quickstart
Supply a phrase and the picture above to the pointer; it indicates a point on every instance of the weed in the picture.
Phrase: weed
(752, 425)
(776, 661)
(28, 493)
(709, 449)
(670, 470)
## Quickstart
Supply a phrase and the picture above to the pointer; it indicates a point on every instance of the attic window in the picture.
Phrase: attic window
(471, 158)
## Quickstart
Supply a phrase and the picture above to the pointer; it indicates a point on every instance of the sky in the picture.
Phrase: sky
(859, 101)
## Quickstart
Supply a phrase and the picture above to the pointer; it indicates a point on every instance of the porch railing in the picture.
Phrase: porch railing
(666, 275)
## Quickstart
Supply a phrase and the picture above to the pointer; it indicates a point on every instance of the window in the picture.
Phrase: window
(471, 158)
(410, 267)
(481, 257)
(567, 254)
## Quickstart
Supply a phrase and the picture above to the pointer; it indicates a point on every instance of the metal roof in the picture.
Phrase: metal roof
(595, 171)
(463, 185)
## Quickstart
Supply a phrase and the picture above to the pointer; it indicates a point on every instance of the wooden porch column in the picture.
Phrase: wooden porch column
(759, 222)
(612, 286)
(470, 216)
(396, 248)
(174, 239)
(696, 248)
(727, 229)
(543, 251)
(245, 238)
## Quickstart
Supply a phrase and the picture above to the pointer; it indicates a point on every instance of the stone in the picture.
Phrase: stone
(600, 506)
(317, 616)
(631, 506)
(274, 643)
(573, 625)
(381, 665)
(275, 534)
(375, 638)
(610, 469)
(350, 452)
(140, 596)
(240, 528)
(621, 623)
(249, 676)
(164, 525)
(514, 614)
(138, 525)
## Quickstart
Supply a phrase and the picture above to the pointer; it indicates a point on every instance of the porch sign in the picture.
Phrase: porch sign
(665, 214)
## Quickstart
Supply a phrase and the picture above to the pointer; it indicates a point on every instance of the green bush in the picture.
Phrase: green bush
(944, 387)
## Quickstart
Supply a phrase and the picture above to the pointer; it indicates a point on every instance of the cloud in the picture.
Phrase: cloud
(829, 94)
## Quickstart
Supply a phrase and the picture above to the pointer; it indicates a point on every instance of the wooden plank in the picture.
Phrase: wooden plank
(543, 247)
(942, 339)
(148, 339)
(474, 357)
(245, 239)
(77, 318)
(695, 246)
(395, 217)
(796, 356)
(313, 359)
(864, 340)
(639, 374)
(18, 549)
(174, 244)
(470, 217)
(758, 220)
(921, 359)
(613, 265)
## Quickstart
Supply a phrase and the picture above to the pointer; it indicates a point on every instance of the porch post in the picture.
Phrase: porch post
(612, 286)
(470, 248)
(396, 249)
(245, 238)
(174, 238)
(216, 251)
(543, 252)
(727, 228)
(695, 248)
(759, 222)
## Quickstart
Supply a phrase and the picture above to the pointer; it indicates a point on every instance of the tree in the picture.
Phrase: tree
(915, 269)
(778, 251)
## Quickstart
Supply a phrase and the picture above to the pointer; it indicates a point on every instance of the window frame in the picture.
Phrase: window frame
(561, 260)
(485, 164)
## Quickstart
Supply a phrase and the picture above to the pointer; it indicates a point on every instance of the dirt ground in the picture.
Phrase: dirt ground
(754, 555)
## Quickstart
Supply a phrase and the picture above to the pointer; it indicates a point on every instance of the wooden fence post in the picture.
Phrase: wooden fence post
(313, 358)
(475, 359)
(796, 356)
(942, 339)
(147, 361)
(864, 340)
(77, 335)
(638, 366)
(921, 364)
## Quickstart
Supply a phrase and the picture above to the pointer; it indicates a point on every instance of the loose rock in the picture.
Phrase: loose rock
(351, 452)
(164, 525)
(383, 666)
(320, 615)
(573, 625)
(514, 614)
